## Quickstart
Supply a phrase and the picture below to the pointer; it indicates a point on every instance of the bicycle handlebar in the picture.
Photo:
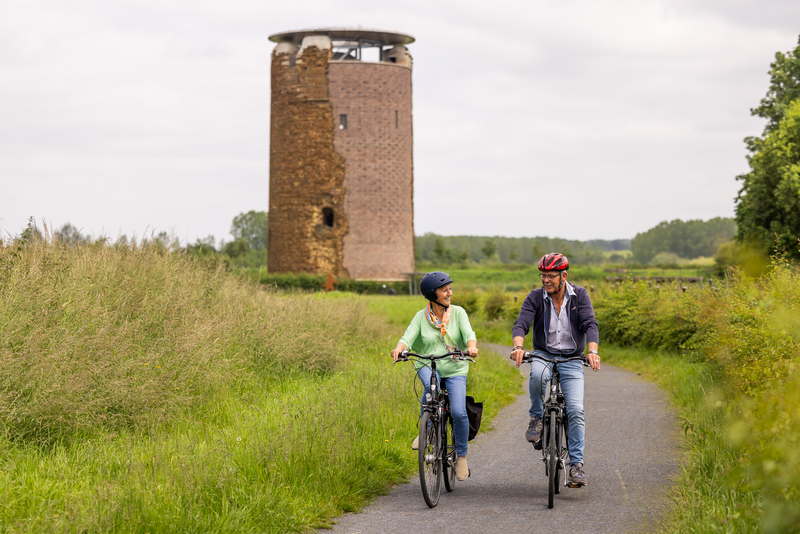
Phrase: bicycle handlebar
(404, 356)
(529, 356)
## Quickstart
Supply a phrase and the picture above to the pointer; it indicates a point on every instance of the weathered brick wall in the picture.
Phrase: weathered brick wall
(379, 177)
(305, 172)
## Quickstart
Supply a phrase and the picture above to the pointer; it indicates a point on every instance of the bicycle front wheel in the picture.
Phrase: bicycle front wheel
(449, 457)
(560, 450)
(552, 460)
(430, 463)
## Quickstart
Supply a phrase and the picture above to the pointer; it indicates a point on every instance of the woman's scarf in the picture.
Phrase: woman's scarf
(441, 326)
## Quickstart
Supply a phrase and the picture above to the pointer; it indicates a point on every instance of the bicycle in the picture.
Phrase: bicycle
(437, 442)
(555, 427)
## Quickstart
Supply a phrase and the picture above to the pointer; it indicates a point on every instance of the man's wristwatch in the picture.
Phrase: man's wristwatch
(593, 352)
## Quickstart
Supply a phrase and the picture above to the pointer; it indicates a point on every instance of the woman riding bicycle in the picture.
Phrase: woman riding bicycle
(435, 330)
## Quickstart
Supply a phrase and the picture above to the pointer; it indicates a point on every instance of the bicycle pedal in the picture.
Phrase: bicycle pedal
(537, 445)
(571, 485)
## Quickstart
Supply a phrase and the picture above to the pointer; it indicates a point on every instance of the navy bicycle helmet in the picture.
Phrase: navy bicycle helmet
(431, 282)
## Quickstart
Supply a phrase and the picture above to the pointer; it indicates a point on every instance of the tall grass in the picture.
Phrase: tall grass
(119, 337)
(148, 391)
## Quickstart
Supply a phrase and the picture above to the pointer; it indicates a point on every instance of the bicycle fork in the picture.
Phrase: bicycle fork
(434, 411)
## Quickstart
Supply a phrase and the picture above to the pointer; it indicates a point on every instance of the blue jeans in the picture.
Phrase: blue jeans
(456, 387)
(572, 386)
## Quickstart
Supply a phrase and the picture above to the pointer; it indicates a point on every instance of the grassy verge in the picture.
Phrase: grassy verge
(706, 499)
(143, 391)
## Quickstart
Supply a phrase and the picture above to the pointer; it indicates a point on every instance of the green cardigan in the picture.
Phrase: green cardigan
(424, 338)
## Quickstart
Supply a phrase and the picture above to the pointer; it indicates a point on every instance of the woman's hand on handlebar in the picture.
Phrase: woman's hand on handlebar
(396, 352)
(471, 352)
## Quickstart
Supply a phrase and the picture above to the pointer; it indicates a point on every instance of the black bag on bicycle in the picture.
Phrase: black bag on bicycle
(474, 413)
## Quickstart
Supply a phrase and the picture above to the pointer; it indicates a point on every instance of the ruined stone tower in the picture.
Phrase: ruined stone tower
(341, 167)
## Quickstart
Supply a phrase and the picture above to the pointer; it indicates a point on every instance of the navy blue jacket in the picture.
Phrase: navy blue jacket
(536, 311)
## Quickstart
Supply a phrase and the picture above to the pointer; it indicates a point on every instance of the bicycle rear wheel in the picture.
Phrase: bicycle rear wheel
(430, 463)
(449, 457)
(552, 460)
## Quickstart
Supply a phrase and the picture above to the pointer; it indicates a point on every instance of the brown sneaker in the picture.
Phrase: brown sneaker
(577, 478)
(462, 469)
(534, 432)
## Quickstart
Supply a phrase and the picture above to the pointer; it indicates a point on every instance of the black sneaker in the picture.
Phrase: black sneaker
(534, 432)
(576, 476)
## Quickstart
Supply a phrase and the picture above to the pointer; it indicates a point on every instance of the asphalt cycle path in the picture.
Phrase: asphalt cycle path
(631, 460)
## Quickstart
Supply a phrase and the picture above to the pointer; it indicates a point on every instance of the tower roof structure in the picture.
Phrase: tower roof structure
(344, 34)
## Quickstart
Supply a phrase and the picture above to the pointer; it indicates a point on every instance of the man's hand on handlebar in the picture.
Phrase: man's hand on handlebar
(517, 356)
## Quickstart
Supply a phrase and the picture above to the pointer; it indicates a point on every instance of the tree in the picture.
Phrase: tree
(252, 227)
(768, 205)
(686, 239)
(768, 202)
(202, 247)
(489, 248)
(538, 251)
(69, 235)
(513, 254)
(236, 248)
(784, 88)
(439, 249)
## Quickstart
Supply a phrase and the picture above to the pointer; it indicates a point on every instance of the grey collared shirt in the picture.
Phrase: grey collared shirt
(559, 333)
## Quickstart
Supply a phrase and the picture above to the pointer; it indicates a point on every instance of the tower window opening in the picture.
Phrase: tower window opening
(393, 59)
(342, 122)
(293, 60)
(396, 119)
(327, 217)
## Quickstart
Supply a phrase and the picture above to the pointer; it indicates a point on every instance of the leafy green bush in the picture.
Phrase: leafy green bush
(644, 314)
(733, 255)
(467, 299)
(316, 282)
(496, 303)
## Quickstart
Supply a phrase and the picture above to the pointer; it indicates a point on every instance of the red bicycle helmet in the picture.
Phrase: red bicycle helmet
(554, 262)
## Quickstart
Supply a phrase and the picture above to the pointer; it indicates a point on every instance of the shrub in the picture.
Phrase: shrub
(496, 303)
(642, 314)
(316, 282)
(467, 299)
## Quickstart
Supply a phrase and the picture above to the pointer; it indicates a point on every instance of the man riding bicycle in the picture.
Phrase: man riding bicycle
(563, 320)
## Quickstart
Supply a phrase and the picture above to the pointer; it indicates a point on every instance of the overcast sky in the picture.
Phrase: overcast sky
(571, 118)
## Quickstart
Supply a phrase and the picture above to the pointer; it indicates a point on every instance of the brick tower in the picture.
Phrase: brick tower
(341, 168)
